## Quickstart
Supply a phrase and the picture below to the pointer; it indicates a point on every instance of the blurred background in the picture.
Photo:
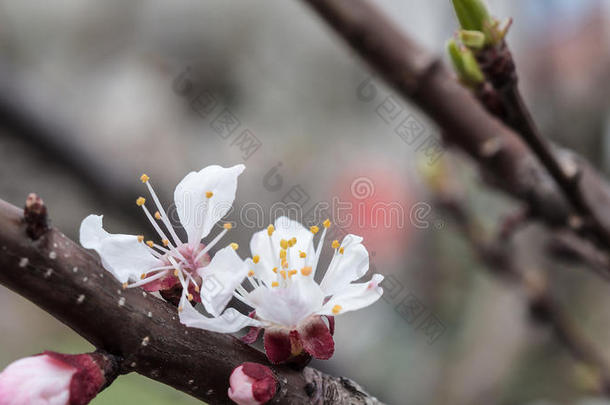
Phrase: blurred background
(95, 93)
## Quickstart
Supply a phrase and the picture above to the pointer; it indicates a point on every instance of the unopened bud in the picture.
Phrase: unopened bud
(68, 379)
(252, 384)
(472, 39)
(472, 14)
(465, 64)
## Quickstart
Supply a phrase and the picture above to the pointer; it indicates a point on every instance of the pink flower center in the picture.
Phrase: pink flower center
(189, 258)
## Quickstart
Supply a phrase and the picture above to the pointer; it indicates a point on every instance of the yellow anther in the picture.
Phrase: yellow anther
(228, 225)
(176, 272)
(314, 229)
(336, 309)
(256, 259)
(140, 238)
(284, 264)
(326, 223)
(142, 276)
(125, 286)
(270, 230)
(282, 254)
(335, 244)
(292, 272)
(140, 201)
(234, 245)
(150, 243)
(165, 242)
(190, 297)
(284, 244)
(283, 274)
(157, 215)
(306, 270)
(196, 288)
(209, 194)
(275, 270)
(180, 308)
(292, 241)
(275, 284)
(144, 178)
(250, 273)
(341, 250)
(302, 255)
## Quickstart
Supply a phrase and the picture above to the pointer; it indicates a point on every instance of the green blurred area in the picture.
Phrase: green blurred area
(135, 389)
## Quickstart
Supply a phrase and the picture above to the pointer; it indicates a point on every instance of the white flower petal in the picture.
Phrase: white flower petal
(92, 232)
(354, 296)
(346, 267)
(196, 211)
(260, 245)
(122, 255)
(220, 278)
(287, 306)
(261, 271)
(230, 321)
(285, 228)
(271, 305)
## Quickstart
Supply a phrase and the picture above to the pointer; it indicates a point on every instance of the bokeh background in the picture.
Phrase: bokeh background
(94, 93)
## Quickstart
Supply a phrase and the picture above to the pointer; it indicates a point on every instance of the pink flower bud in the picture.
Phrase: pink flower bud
(55, 379)
(252, 384)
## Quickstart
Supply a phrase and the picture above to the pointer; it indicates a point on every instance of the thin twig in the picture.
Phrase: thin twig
(499, 260)
(566, 245)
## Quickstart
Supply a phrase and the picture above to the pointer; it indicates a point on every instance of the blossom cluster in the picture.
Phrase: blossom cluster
(293, 304)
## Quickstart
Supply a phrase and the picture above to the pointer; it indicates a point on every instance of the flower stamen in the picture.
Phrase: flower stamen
(148, 279)
(318, 251)
(210, 245)
(163, 215)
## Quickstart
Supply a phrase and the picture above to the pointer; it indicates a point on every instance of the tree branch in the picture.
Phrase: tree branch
(68, 282)
(505, 161)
